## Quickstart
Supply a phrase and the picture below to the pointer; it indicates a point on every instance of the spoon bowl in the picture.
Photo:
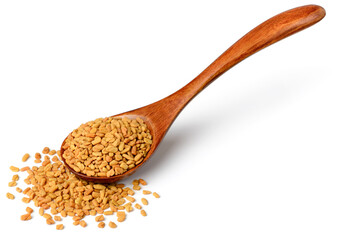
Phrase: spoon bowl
(160, 115)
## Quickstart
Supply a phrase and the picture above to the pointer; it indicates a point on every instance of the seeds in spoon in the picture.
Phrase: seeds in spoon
(107, 147)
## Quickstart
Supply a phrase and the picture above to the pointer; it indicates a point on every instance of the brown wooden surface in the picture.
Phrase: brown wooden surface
(160, 115)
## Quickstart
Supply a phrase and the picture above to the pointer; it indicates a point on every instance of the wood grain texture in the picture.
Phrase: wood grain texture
(160, 115)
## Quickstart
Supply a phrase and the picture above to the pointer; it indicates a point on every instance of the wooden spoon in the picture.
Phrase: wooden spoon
(160, 115)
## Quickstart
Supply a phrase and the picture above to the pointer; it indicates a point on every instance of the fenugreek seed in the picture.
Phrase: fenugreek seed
(143, 213)
(37, 156)
(156, 195)
(10, 196)
(47, 216)
(130, 199)
(24, 169)
(93, 212)
(37, 161)
(45, 150)
(15, 177)
(19, 190)
(52, 152)
(50, 221)
(136, 187)
(57, 218)
(26, 217)
(121, 216)
(12, 184)
(101, 225)
(142, 181)
(25, 157)
(144, 201)
(83, 223)
(138, 206)
(75, 223)
(26, 200)
(59, 226)
(14, 169)
(29, 210)
(108, 212)
(146, 192)
(112, 224)
(99, 218)
(64, 214)
(41, 211)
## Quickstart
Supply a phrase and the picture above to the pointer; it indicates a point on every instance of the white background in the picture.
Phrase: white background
(251, 157)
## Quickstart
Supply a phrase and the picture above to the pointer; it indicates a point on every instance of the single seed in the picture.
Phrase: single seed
(41, 211)
(26, 217)
(37, 156)
(50, 221)
(112, 224)
(14, 169)
(19, 190)
(15, 177)
(83, 223)
(29, 210)
(12, 184)
(25, 157)
(143, 213)
(57, 218)
(101, 225)
(10, 196)
(144, 201)
(59, 226)
(99, 218)
(156, 195)
(138, 206)
(146, 192)
(45, 150)
(142, 181)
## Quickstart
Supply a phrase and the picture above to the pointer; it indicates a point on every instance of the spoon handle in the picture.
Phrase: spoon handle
(265, 34)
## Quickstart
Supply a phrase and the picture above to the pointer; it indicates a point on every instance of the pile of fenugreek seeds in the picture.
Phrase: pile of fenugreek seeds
(107, 146)
(58, 193)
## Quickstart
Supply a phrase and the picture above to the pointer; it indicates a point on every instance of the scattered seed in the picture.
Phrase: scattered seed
(112, 224)
(57, 218)
(99, 218)
(45, 150)
(156, 195)
(83, 223)
(19, 190)
(25, 157)
(29, 210)
(10, 196)
(144, 201)
(15, 177)
(101, 225)
(143, 213)
(146, 192)
(59, 227)
(14, 169)
(26, 217)
(12, 184)
(138, 206)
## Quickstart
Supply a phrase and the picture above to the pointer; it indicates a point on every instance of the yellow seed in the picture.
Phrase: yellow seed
(19, 190)
(52, 152)
(26, 217)
(144, 201)
(101, 225)
(45, 150)
(83, 223)
(138, 206)
(14, 169)
(76, 222)
(112, 224)
(99, 218)
(130, 199)
(47, 216)
(136, 187)
(12, 184)
(50, 221)
(37, 156)
(26, 200)
(142, 181)
(25, 157)
(146, 192)
(41, 211)
(57, 218)
(10, 196)
(143, 213)
(108, 212)
(59, 226)
(156, 195)
(29, 210)
(15, 177)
